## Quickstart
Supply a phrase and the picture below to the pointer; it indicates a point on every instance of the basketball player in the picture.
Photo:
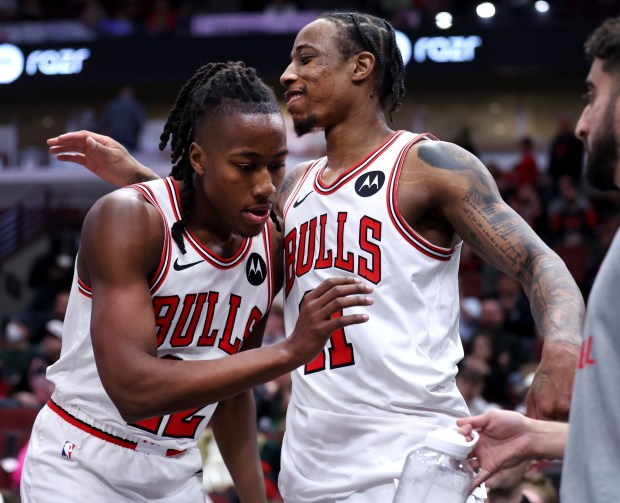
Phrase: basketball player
(173, 276)
(392, 208)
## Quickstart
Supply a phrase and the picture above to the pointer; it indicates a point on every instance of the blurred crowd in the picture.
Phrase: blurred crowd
(129, 17)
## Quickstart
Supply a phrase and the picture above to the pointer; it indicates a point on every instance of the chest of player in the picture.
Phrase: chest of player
(342, 229)
(212, 305)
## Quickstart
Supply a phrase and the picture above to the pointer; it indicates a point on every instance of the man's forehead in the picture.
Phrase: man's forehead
(597, 76)
(315, 32)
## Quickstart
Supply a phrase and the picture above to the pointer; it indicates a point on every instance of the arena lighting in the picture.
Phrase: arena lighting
(541, 6)
(47, 62)
(485, 10)
(443, 20)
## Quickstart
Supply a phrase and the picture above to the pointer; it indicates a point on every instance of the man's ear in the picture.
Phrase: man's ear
(364, 66)
(197, 158)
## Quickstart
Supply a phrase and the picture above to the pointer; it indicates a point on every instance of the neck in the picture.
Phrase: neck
(349, 142)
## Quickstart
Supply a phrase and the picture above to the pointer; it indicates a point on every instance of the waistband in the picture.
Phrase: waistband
(144, 446)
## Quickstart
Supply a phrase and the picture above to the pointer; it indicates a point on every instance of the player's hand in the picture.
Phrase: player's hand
(315, 323)
(102, 155)
(550, 392)
(503, 442)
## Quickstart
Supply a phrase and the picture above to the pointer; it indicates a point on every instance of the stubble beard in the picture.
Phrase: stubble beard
(602, 159)
(304, 125)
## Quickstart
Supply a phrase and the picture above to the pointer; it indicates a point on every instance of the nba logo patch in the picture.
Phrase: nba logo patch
(67, 450)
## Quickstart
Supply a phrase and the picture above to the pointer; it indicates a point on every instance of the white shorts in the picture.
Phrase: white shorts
(64, 463)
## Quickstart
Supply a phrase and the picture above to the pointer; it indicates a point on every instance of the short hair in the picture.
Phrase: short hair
(604, 44)
(213, 92)
(365, 32)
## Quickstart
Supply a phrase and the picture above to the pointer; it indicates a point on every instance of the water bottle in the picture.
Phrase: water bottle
(439, 471)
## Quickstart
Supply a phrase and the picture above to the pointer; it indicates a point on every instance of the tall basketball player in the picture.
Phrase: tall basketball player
(173, 277)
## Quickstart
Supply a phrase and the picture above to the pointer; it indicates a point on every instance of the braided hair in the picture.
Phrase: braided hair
(214, 91)
(365, 32)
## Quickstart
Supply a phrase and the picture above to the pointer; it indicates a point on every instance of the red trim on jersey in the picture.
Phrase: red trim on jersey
(102, 435)
(352, 172)
(175, 196)
(417, 241)
(158, 277)
(213, 258)
(84, 289)
(271, 274)
(297, 188)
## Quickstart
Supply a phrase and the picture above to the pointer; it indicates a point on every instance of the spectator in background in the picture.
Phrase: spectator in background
(565, 154)
(518, 318)
(465, 140)
(469, 319)
(161, 18)
(526, 169)
(470, 381)
(507, 353)
(571, 216)
(34, 389)
(527, 202)
(123, 119)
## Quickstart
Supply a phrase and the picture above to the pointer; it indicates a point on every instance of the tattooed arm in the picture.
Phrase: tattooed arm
(460, 196)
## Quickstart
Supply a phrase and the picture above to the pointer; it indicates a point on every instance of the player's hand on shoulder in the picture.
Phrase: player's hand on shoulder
(316, 322)
(102, 155)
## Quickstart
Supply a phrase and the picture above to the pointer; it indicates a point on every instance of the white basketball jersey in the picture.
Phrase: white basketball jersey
(204, 306)
(374, 391)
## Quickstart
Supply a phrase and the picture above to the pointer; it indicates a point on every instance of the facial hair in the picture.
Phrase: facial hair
(602, 159)
(305, 125)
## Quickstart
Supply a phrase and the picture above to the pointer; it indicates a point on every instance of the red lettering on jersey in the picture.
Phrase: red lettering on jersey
(346, 264)
(151, 424)
(226, 344)
(306, 239)
(164, 309)
(206, 338)
(290, 242)
(340, 352)
(179, 339)
(254, 318)
(370, 272)
(585, 355)
(301, 256)
(324, 260)
(180, 424)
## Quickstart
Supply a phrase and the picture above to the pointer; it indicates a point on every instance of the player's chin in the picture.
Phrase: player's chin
(250, 230)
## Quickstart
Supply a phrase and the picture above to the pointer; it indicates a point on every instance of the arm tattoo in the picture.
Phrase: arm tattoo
(504, 240)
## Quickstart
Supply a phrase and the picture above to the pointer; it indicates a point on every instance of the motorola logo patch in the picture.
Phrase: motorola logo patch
(256, 269)
(369, 183)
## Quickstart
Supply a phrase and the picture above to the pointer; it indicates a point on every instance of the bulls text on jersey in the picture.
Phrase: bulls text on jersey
(181, 330)
(303, 251)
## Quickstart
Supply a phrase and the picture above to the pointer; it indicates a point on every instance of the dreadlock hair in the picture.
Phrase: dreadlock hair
(213, 92)
(604, 43)
(365, 32)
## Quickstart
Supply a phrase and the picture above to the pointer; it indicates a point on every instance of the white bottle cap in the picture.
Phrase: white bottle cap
(449, 441)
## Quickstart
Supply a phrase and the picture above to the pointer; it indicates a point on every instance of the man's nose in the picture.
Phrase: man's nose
(288, 76)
